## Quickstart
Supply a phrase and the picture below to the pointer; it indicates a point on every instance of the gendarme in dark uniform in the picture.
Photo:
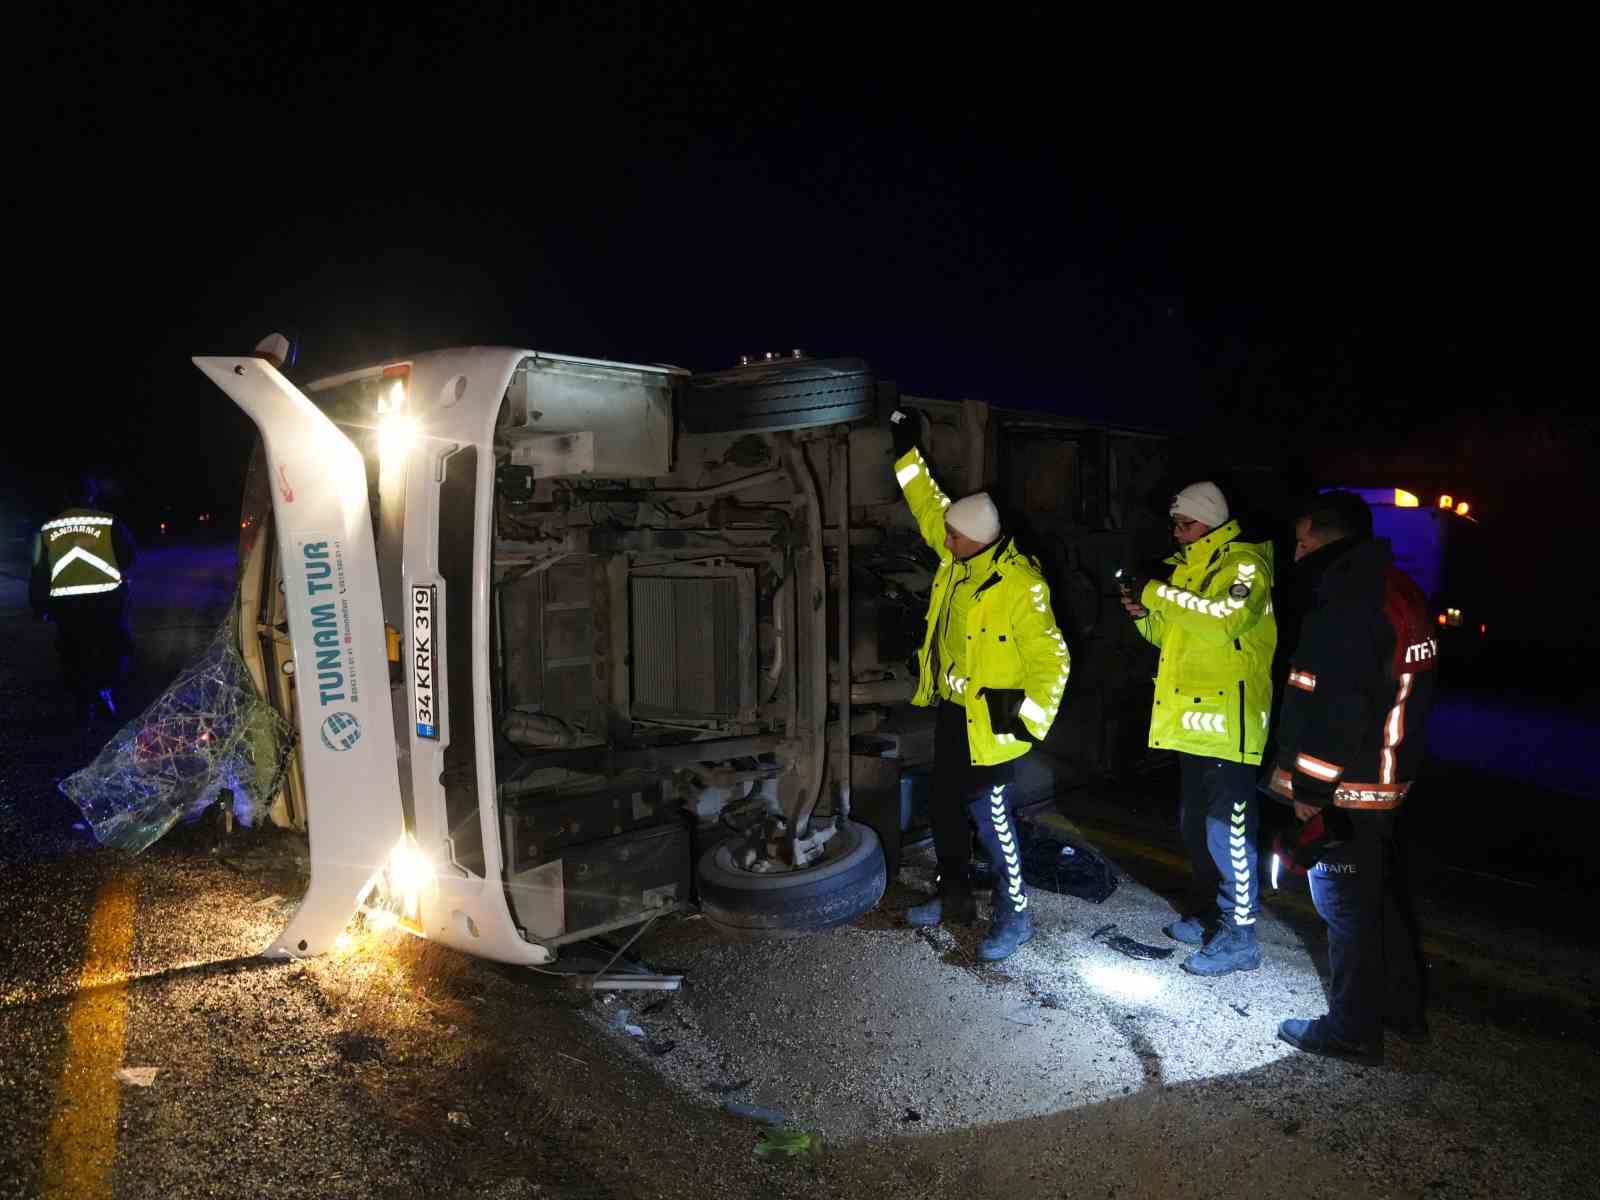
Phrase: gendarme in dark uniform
(80, 560)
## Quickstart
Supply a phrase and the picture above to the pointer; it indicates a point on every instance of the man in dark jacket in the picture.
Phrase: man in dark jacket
(80, 560)
(1350, 742)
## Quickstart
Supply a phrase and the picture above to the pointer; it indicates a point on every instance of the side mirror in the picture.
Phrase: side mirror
(277, 350)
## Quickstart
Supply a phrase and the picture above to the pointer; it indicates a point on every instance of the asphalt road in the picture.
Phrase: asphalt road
(393, 1068)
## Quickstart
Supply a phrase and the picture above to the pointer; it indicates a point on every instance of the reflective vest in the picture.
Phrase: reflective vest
(1011, 637)
(1213, 622)
(81, 553)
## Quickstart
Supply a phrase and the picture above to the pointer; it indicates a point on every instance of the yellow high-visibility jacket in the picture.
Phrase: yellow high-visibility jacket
(1213, 622)
(1012, 639)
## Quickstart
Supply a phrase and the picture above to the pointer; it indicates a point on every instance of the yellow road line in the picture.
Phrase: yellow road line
(82, 1144)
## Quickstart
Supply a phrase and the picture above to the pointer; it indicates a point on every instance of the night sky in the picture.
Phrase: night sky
(1356, 270)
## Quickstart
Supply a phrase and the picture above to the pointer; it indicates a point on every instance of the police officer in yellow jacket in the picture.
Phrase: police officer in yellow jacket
(995, 665)
(80, 560)
(1213, 700)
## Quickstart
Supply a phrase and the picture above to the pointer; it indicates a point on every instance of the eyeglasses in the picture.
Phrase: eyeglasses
(1182, 523)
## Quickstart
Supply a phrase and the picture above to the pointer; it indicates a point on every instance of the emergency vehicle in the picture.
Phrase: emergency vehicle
(1439, 544)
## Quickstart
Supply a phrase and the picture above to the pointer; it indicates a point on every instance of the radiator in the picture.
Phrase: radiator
(693, 652)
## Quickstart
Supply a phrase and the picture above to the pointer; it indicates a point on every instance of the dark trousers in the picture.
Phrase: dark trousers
(1218, 813)
(93, 640)
(964, 798)
(1372, 942)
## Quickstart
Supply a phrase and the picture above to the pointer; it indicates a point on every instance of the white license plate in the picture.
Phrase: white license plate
(424, 696)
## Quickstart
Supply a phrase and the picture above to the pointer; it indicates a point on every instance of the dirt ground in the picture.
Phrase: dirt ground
(1069, 1069)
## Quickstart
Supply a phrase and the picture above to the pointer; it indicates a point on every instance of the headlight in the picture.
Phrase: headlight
(396, 434)
(410, 873)
(410, 870)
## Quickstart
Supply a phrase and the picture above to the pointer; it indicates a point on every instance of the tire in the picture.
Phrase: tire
(793, 903)
(782, 394)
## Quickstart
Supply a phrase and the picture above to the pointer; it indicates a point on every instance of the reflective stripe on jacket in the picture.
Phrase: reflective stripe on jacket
(1354, 721)
(80, 553)
(1213, 622)
(1012, 638)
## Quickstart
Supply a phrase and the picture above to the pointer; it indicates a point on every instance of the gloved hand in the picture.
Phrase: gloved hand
(1300, 848)
(1130, 586)
(1005, 711)
(904, 427)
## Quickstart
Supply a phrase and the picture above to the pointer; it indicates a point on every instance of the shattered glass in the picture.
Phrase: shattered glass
(209, 737)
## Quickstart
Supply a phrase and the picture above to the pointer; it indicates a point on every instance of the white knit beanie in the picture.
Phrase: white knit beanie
(1202, 502)
(975, 517)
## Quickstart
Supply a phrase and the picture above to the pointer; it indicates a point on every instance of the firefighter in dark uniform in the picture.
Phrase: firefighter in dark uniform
(80, 561)
(1350, 742)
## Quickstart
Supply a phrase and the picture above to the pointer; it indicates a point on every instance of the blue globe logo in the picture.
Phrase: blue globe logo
(341, 731)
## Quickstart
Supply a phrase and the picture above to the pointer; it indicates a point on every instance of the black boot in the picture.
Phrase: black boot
(1231, 948)
(953, 905)
(1009, 929)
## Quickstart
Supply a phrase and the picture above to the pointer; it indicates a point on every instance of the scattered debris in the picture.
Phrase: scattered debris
(271, 901)
(722, 1089)
(1122, 944)
(138, 1076)
(766, 1116)
(359, 1047)
(456, 1117)
(1242, 1009)
(788, 1142)
(626, 983)
(911, 1115)
(569, 1058)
